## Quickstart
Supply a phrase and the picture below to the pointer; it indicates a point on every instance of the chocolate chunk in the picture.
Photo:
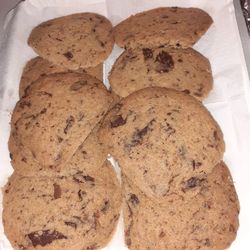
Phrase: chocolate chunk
(186, 91)
(206, 242)
(165, 62)
(139, 134)
(43, 111)
(79, 178)
(133, 199)
(105, 206)
(92, 247)
(68, 55)
(193, 182)
(11, 156)
(57, 191)
(45, 237)
(196, 164)
(69, 123)
(60, 139)
(78, 85)
(117, 121)
(162, 234)
(71, 224)
(216, 137)
(81, 194)
(88, 178)
(147, 53)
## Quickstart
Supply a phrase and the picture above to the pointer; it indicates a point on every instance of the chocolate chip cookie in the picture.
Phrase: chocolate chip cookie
(162, 139)
(176, 27)
(66, 212)
(38, 67)
(76, 41)
(207, 221)
(181, 69)
(56, 115)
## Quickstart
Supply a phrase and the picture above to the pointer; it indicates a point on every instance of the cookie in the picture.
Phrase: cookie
(162, 139)
(90, 153)
(76, 41)
(181, 69)
(38, 67)
(177, 27)
(207, 221)
(59, 111)
(66, 212)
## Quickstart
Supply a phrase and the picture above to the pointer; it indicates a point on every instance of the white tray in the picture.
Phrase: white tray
(228, 101)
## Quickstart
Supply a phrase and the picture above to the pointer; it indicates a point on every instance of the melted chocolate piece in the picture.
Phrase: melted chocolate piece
(45, 237)
(57, 191)
(133, 199)
(68, 55)
(147, 53)
(117, 121)
(69, 123)
(193, 182)
(139, 134)
(78, 85)
(165, 62)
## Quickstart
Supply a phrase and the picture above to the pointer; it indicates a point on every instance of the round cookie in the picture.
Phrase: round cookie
(76, 41)
(88, 157)
(67, 212)
(181, 69)
(162, 139)
(207, 221)
(59, 111)
(38, 67)
(176, 27)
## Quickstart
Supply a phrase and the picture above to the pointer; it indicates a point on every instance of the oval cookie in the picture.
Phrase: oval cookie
(162, 138)
(181, 69)
(38, 67)
(57, 114)
(66, 212)
(76, 41)
(177, 27)
(207, 221)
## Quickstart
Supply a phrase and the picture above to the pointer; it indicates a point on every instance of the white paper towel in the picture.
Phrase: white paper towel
(228, 101)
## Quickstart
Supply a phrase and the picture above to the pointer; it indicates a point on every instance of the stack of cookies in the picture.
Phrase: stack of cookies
(63, 194)
(178, 194)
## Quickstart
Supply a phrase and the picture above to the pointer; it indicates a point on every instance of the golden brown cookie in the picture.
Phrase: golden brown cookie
(76, 41)
(64, 212)
(56, 115)
(162, 138)
(176, 27)
(181, 69)
(207, 221)
(38, 67)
